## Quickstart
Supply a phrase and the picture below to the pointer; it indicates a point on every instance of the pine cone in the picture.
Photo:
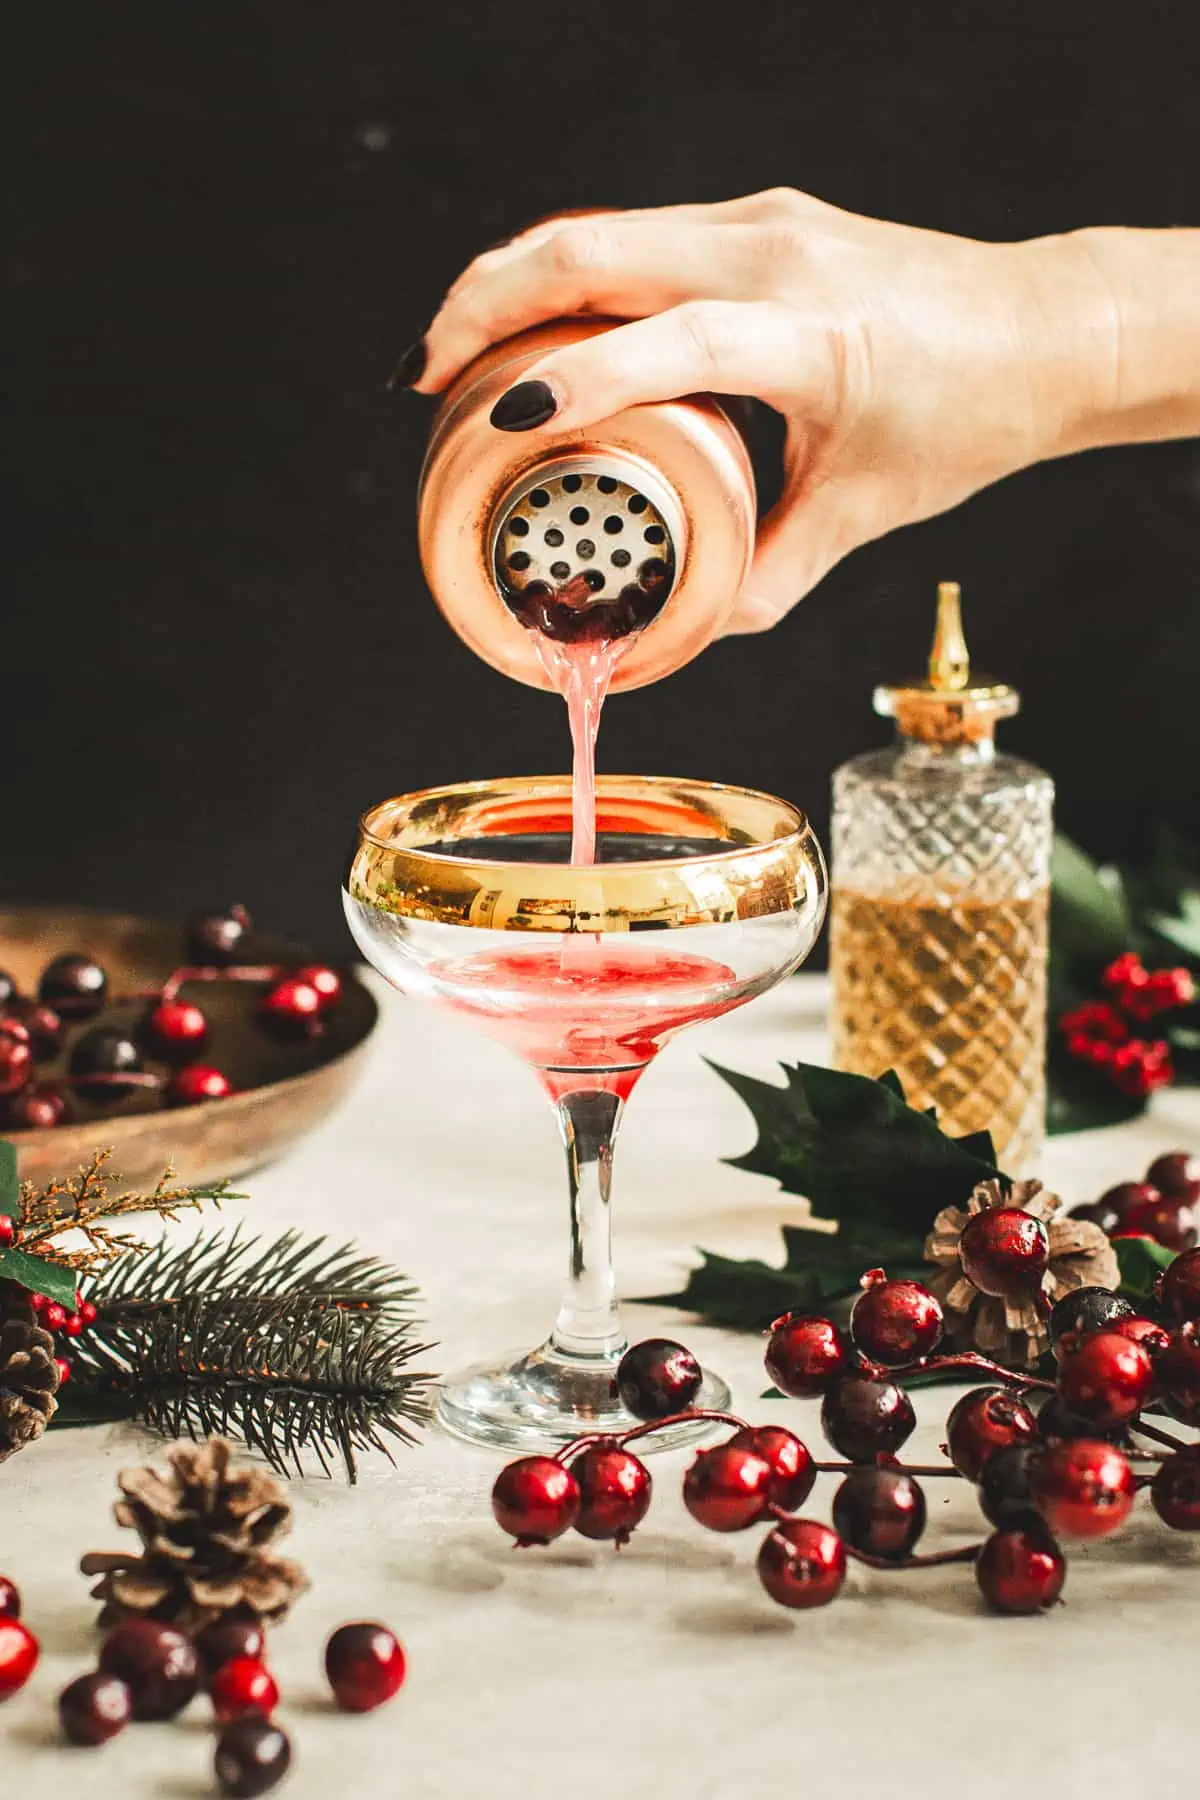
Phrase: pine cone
(205, 1529)
(28, 1382)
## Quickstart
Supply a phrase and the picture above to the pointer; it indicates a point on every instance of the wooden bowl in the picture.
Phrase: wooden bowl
(282, 1088)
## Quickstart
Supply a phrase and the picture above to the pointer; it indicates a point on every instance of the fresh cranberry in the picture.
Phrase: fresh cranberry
(793, 1471)
(44, 1025)
(802, 1563)
(1170, 1222)
(54, 1316)
(72, 1326)
(36, 1109)
(243, 1685)
(252, 1756)
(158, 1664)
(1005, 1492)
(728, 1488)
(895, 1322)
(1004, 1252)
(535, 1499)
(1021, 1570)
(1105, 1379)
(16, 1059)
(1083, 1489)
(64, 1370)
(10, 1599)
(1086, 1310)
(8, 1231)
(1177, 1175)
(864, 1419)
(215, 939)
(1152, 1336)
(1127, 1196)
(325, 980)
(19, 1652)
(1178, 1287)
(291, 1006)
(983, 1422)
(225, 1639)
(614, 1493)
(365, 1666)
(1175, 1490)
(175, 1029)
(880, 1511)
(196, 1083)
(806, 1355)
(657, 1378)
(94, 1708)
(87, 1312)
(101, 1060)
(1178, 1371)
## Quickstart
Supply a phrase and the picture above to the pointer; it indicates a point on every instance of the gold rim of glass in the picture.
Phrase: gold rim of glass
(773, 863)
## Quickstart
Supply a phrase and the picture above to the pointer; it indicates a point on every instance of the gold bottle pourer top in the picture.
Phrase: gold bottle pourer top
(951, 706)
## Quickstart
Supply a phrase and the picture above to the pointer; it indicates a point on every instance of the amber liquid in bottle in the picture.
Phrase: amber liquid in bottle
(940, 907)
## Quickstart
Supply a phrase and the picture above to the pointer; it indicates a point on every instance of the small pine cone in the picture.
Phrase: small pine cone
(28, 1382)
(205, 1528)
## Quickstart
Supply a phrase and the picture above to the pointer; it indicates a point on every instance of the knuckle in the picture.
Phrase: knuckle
(781, 243)
(704, 337)
(780, 203)
(577, 250)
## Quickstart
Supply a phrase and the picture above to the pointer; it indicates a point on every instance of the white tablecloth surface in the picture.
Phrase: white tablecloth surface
(664, 1671)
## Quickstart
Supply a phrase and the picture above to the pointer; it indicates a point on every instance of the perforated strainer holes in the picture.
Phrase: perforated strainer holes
(579, 514)
(614, 524)
(594, 579)
(585, 550)
(572, 483)
(606, 484)
(519, 560)
(554, 536)
(561, 571)
(539, 498)
(621, 559)
(654, 534)
(638, 503)
(520, 527)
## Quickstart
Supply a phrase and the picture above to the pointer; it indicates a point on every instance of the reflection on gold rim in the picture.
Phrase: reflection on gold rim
(773, 863)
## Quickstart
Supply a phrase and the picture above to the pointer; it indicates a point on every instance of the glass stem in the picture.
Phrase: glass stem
(588, 1323)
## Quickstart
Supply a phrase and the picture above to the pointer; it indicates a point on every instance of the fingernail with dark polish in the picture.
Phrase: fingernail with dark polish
(525, 406)
(410, 368)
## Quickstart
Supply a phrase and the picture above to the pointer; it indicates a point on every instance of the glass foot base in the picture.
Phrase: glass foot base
(544, 1400)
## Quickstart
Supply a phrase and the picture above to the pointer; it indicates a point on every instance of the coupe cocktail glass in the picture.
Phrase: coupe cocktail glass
(701, 898)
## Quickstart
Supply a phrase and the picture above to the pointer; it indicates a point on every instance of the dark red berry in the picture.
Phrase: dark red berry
(64, 1370)
(327, 982)
(252, 1755)
(1056, 1424)
(1005, 1490)
(74, 986)
(44, 1025)
(1021, 1570)
(1083, 1489)
(983, 1422)
(1178, 1288)
(365, 1666)
(656, 1378)
(728, 1488)
(225, 1639)
(1169, 1221)
(879, 1510)
(87, 1312)
(895, 1322)
(1122, 1199)
(291, 1006)
(806, 1355)
(93, 1708)
(614, 1493)
(8, 1231)
(1178, 1371)
(864, 1419)
(19, 1652)
(15, 1028)
(793, 1471)
(1176, 1174)
(158, 1665)
(54, 1316)
(243, 1685)
(1098, 1213)
(39, 1303)
(16, 1060)
(36, 1109)
(10, 1599)
(196, 1083)
(72, 1326)
(1105, 1379)
(111, 1053)
(1085, 1311)
(215, 939)
(175, 1029)
(1152, 1336)
(1004, 1252)
(802, 1563)
(1175, 1490)
(535, 1499)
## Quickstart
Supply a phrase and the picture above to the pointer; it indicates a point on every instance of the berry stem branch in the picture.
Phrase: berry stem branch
(966, 1553)
(982, 1365)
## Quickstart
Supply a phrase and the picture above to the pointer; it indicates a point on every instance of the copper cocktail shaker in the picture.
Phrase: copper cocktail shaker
(641, 524)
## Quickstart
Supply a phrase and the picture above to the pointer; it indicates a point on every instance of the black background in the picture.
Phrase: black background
(223, 224)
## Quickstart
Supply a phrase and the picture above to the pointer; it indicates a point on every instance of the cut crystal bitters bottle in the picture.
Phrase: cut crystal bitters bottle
(940, 905)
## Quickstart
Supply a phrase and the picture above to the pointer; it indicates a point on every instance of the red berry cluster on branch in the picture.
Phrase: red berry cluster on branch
(1108, 1035)
(106, 1063)
(1069, 1470)
(1164, 1205)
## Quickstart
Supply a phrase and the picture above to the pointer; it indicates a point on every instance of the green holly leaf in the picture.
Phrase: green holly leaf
(1089, 908)
(10, 1185)
(1141, 1262)
(1182, 929)
(856, 1152)
(39, 1276)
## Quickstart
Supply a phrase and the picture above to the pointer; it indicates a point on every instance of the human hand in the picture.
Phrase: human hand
(912, 368)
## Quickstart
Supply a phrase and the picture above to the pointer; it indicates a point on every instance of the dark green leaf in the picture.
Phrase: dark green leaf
(890, 1079)
(39, 1276)
(79, 1403)
(1141, 1262)
(854, 1150)
(10, 1186)
(1089, 909)
(1182, 929)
